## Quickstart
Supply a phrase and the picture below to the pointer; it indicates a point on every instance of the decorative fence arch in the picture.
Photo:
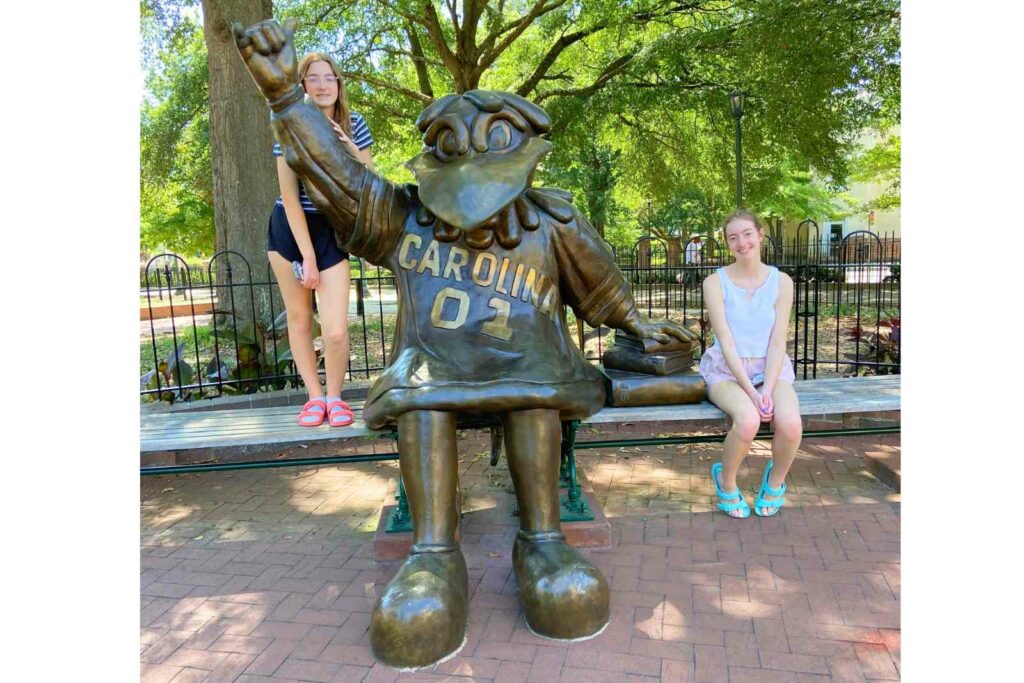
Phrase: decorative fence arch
(845, 316)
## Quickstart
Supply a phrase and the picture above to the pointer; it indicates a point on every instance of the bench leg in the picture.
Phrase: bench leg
(574, 506)
(400, 519)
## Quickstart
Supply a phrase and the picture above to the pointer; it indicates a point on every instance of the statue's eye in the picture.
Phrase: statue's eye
(446, 143)
(499, 136)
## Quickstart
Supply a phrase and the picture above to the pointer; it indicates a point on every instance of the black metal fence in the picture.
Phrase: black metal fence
(197, 343)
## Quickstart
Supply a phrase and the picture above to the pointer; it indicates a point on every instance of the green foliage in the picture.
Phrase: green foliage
(256, 344)
(173, 374)
(798, 194)
(880, 164)
(878, 345)
(637, 91)
(228, 349)
(176, 181)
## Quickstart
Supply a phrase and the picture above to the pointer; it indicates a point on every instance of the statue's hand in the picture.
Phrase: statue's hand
(659, 330)
(268, 50)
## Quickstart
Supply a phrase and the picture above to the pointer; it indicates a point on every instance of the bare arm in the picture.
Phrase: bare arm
(364, 156)
(365, 210)
(289, 183)
(715, 303)
(777, 341)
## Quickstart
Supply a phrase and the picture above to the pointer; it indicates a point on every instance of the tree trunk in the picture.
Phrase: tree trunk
(244, 175)
(675, 250)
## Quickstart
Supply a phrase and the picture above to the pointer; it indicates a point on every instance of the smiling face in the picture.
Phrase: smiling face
(321, 83)
(744, 238)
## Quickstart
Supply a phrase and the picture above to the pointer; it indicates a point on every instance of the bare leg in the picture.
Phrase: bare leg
(788, 432)
(332, 295)
(728, 396)
(298, 304)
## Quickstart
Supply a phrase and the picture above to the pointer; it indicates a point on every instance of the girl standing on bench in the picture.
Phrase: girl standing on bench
(747, 371)
(305, 257)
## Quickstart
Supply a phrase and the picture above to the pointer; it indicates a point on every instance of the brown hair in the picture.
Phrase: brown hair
(742, 214)
(341, 110)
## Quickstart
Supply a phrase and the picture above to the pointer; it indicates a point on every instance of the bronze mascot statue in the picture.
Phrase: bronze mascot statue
(483, 264)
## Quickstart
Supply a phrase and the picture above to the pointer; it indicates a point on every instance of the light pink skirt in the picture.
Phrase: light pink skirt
(713, 368)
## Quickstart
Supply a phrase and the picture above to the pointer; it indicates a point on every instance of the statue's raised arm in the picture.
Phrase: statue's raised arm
(365, 210)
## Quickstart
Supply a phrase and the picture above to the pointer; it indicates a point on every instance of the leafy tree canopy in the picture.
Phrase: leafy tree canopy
(638, 90)
(880, 164)
(176, 182)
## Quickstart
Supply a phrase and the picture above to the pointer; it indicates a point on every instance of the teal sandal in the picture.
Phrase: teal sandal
(723, 498)
(772, 505)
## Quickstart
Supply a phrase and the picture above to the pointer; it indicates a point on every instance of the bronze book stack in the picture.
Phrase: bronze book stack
(644, 372)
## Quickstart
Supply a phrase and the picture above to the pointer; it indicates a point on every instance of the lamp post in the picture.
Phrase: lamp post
(736, 97)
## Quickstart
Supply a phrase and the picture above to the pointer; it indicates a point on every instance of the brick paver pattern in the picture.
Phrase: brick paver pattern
(269, 575)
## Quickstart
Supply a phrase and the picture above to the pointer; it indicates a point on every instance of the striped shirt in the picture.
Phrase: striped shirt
(360, 136)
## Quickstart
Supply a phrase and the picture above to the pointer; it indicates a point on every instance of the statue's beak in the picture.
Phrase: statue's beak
(466, 192)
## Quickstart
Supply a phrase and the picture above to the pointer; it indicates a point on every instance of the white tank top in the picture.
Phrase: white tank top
(750, 321)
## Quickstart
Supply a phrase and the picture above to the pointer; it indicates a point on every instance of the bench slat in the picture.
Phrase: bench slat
(278, 425)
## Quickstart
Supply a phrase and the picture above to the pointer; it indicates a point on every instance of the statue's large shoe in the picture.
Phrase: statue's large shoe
(421, 616)
(564, 596)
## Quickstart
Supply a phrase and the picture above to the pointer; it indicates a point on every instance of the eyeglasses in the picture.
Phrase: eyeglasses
(315, 81)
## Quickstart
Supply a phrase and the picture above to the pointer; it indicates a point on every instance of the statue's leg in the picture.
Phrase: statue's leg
(563, 594)
(421, 616)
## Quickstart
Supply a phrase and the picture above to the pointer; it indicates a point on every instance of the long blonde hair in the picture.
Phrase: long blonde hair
(341, 110)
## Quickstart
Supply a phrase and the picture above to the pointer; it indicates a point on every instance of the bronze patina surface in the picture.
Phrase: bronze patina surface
(484, 265)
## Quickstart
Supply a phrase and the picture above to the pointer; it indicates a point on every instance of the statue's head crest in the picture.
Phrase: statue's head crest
(480, 150)
(491, 102)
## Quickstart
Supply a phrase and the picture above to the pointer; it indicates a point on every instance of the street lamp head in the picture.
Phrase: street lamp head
(736, 97)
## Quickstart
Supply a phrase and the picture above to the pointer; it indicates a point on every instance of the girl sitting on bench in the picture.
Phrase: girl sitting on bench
(747, 371)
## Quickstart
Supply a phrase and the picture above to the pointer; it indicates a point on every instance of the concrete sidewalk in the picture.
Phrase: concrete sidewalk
(269, 575)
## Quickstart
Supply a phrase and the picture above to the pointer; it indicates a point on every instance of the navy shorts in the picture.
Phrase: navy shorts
(321, 234)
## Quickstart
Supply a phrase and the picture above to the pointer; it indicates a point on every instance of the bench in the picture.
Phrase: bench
(832, 407)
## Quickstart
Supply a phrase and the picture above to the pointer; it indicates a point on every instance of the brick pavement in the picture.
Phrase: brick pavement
(268, 575)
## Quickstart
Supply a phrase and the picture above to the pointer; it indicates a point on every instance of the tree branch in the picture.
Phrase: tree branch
(453, 14)
(564, 41)
(422, 75)
(651, 132)
(323, 16)
(681, 86)
(472, 10)
(433, 24)
(402, 116)
(387, 85)
(391, 7)
(487, 48)
(612, 70)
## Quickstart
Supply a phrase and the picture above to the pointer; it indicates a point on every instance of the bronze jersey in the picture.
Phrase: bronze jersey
(479, 331)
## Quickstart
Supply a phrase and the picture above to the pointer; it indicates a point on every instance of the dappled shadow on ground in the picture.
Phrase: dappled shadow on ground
(270, 573)
(640, 480)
